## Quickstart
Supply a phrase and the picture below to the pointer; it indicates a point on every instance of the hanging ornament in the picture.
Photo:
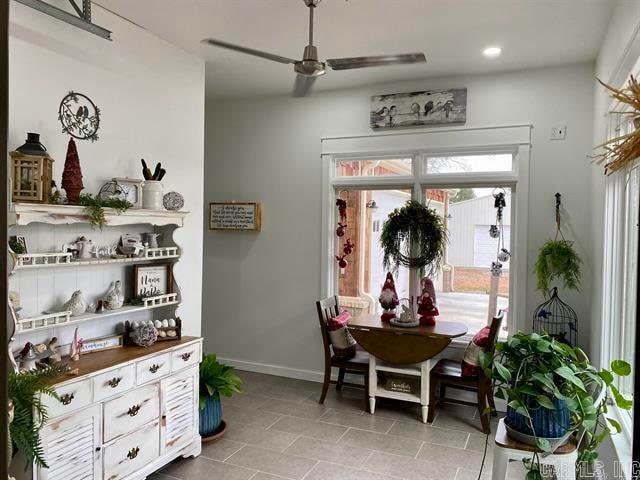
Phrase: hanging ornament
(504, 255)
(494, 231)
(341, 229)
(348, 247)
(388, 298)
(342, 209)
(342, 262)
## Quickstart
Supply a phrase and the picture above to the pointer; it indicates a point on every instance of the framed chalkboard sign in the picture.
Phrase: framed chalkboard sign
(235, 216)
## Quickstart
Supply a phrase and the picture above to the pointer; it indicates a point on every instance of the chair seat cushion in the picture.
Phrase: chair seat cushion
(448, 368)
(360, 361)
(471, 358)
(343, 344)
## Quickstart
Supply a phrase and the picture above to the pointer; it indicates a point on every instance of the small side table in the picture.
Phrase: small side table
(420, 370)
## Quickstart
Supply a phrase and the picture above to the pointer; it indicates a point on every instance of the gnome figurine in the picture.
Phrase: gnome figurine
(114, 298)
(77, 305)
(388, 298)
(427, 303)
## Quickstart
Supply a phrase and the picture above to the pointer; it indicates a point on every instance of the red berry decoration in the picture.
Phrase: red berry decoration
(342, 263)
(348, 247)
(342, 209)
(340, 230)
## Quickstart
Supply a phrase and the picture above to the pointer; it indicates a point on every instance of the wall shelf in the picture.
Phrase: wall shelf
(30, 261)
(26, 213)
(61, 319)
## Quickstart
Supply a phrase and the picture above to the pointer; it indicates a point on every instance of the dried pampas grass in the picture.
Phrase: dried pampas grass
(621, 152)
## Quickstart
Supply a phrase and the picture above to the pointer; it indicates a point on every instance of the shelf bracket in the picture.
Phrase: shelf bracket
(82, 20)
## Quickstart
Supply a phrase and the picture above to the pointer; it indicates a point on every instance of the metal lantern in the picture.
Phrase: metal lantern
(31, 176)
(112, 190)
(557, 319)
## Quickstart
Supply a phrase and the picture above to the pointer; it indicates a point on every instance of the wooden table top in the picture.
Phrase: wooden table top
(441, 329)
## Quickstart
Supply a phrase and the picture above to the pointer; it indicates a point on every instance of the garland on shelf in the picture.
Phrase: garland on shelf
(94, 208)
(414, 236)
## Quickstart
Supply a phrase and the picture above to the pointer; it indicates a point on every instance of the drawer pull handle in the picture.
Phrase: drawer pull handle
(67, 398)
(115, 381)
(133, 453)
(133, 411)
(186, 356)
(154, 368)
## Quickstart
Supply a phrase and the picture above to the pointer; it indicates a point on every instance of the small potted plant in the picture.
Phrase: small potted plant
(216, 379)
(553, 392)
(25, 391)
(557, 259)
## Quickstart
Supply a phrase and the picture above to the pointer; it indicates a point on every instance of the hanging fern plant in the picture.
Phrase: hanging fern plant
(558, 259)
(414, 236)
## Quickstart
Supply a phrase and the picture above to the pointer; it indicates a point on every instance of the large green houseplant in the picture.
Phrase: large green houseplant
(537, 374)
(25, 390)
(216, 379)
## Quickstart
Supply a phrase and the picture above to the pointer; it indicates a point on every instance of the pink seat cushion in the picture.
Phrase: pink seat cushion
(343, 344)
(471, 358)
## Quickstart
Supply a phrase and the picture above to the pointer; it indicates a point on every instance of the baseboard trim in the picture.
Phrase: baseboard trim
(277, 370)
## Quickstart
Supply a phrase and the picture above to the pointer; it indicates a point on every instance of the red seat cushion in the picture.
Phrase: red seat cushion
(343, 344)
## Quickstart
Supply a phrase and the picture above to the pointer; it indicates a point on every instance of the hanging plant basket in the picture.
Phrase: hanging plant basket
(414, 236)
(558, 259)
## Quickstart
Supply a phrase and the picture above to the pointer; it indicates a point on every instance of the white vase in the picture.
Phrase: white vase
(152, 193)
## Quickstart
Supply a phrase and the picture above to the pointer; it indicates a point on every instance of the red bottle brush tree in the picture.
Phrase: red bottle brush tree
(72, 174)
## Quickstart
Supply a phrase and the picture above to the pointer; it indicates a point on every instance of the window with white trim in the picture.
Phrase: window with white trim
(459, 185)
(622, 209)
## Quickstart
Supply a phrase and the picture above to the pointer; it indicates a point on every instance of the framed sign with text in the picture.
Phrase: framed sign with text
(235, 216)
(152, 280)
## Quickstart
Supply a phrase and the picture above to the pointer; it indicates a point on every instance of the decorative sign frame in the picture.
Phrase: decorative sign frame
(102, 343)
(152, 280)
(236, 216)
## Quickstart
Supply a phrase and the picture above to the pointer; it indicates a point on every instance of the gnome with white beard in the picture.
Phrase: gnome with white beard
(388, 298)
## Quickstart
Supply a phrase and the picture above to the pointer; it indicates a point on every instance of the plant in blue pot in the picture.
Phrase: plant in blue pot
(216, 379)
(553, 393)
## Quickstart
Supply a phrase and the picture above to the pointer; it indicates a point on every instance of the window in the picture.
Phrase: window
(622, 209)
(460, 187)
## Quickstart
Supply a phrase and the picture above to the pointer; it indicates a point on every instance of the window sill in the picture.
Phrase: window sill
(622, 443)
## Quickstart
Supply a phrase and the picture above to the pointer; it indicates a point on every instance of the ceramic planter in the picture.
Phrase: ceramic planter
(546, 423)
(210, 416)
(152, 193)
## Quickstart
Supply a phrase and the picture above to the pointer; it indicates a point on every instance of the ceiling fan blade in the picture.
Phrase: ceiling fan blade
(249, 51)
(377, 61)
(302, 85)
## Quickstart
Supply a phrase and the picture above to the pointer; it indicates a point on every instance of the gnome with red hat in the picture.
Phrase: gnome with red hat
(388, 298)
(427, 303)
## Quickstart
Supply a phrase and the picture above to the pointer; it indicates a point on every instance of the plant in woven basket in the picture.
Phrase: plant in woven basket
(621, 152)
(414, 236)
(558, 259)
(94, 208)
(535, 372)
(26, 390)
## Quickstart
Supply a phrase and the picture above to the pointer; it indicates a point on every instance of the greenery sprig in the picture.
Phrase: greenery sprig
(414, 236)
(94, 208)
(558, 259)
(217, 379)
(26, 389)
(531, 371)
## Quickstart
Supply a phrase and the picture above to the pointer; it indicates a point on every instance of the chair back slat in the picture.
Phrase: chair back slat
(327, 309)
(494, 330)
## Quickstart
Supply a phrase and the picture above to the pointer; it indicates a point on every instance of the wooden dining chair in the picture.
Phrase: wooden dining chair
(359, 364)
(448, 373)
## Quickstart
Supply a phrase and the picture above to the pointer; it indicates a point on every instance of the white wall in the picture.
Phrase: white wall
(260, 289)
(151, 96)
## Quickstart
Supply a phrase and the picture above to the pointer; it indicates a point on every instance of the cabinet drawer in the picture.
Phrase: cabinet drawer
(152, 368)
(130, 411)
(113, 382)
(185, 357)
(73, 396)
(132, 452)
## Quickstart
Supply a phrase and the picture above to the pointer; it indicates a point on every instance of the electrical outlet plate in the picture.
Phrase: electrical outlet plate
(558, 132)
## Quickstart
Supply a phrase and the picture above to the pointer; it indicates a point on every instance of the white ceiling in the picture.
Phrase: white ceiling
(452, 34)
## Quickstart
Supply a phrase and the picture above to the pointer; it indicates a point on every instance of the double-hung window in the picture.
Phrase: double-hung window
(460, 184)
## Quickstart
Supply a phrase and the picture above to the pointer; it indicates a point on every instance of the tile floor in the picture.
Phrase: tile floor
(277, 430)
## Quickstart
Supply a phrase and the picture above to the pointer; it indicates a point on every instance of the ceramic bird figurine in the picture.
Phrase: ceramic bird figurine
(114, 298)
(77, 305)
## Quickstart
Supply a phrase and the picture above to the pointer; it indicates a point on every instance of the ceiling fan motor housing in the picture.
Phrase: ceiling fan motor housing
(310, 66)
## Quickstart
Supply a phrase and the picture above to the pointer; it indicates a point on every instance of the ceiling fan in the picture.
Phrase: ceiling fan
(310, 68)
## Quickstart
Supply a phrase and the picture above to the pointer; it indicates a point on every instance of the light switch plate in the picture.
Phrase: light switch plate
(558, 132)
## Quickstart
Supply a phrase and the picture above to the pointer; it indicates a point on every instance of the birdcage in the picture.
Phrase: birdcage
(557, 319)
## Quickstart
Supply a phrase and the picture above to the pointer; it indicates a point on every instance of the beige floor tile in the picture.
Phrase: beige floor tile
(330, 471)
(396, 410)
(349, 400)
(452, 456)
(302, 410)
(427, 433)
(299, 426)
(257, 436)
(464, 474)
(249, 416)
(447, 421)
(280, 392)
(329, 452)
(199, 468)
(245, 400)
(220, 449)
(160, 476)
(408, 468)
(477, 441)
(268, 461)
(266, 476)
(357, 420)
(382, 443)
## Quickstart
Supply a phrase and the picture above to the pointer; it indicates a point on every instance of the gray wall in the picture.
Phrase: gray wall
(259, 289)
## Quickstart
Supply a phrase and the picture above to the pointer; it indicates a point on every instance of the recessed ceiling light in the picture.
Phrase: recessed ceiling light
(492, 52)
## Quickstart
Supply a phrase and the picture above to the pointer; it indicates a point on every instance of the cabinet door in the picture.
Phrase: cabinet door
(72, 447)
(179, 409)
